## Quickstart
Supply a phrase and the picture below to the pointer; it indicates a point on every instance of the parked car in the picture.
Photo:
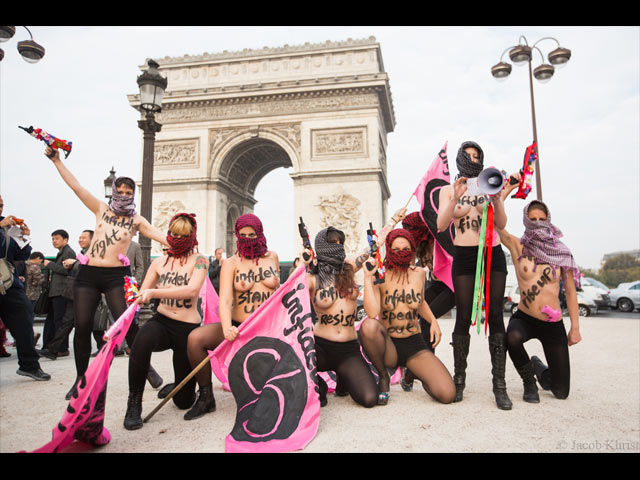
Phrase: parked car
(626, 296)
(598, 290)
(586, 303)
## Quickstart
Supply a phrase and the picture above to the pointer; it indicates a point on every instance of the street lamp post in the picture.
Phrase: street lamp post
(152, 86)
(520, 54)
(29, 50)
(108, 185)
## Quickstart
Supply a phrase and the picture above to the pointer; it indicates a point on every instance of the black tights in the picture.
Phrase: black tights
(425, 366)
(157, 335)
(352, 371)
(202, 339)
(553, 337)
(464, 292)
(90, 283)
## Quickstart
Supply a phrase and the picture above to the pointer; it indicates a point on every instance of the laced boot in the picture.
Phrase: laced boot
(460, 345)
(529, 382)
(153, 377)
(205, 403)
(498, 351)
(541, 372)
(133, 416)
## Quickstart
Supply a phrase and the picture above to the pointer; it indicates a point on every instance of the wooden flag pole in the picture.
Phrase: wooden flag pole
(177, 389)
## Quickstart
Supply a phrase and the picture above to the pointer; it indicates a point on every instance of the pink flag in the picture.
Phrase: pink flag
(271, 367)
(84, 417)
(209, 302)
(427, 193)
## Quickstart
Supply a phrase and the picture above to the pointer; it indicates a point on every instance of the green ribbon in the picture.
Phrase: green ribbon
(476, 313)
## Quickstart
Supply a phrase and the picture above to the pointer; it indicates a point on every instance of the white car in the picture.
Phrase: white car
(586, 304)
(598, 291)
(626, 296)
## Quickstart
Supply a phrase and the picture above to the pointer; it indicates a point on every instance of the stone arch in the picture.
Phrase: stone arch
(228, 119)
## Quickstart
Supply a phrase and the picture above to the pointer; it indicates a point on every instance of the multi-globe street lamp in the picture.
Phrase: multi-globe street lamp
(521, 54)
(28, 49)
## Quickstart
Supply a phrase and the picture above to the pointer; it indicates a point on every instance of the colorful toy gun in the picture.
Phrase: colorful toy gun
(54, 142)
(552, 314)
(526, 173)
(372, 238)
(306, 243)
(130, 289)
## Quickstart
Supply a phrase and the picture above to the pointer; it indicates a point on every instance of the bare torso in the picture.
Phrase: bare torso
(252, 284)
(399, 302)
(171, 274)
(336, 313)
(112, 237)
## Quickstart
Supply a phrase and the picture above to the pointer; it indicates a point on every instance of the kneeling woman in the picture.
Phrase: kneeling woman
(394, 338)
(176, 279)
(247, 279)
(334, 294)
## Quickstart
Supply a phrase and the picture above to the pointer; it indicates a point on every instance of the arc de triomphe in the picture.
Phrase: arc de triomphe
(230, 118)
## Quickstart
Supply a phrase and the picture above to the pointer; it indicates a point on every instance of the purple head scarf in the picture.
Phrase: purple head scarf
(541, 241)
(122, 205)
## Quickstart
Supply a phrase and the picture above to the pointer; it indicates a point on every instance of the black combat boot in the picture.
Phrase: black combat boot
(133, 417)
(205, 403)
(542, 373)
(155, 380)
(460, 345)
(529, 382)
(498, 350)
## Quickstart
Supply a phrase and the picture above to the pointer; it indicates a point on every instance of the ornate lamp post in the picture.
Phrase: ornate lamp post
(29, 50)
(521, 54)
(152, 86)
(108, 183)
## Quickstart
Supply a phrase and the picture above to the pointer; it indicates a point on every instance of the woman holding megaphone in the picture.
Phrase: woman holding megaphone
(464, 210)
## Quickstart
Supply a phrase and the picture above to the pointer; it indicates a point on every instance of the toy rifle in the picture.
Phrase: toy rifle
(54, 142)
(306, 243)
(526, 173)
(372, 238)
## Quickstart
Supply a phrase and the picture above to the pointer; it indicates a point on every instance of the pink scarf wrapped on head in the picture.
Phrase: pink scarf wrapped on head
(541, 240)
(250, 247)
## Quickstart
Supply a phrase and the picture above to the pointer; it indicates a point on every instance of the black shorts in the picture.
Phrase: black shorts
(334, 353)
(466, 258)
(407, 347)
(102, 278)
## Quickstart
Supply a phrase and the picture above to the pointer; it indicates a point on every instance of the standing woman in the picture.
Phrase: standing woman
(466, 214)
(334, 294)
(116, 224)
(437, 294)
(394, 338)
(176, 279)
(247, 279)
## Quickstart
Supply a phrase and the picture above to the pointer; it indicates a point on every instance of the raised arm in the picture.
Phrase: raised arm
(149, 231)
(91, 202)
(371, 294)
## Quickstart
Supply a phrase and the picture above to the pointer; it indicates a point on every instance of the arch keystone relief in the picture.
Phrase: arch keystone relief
(323, 111)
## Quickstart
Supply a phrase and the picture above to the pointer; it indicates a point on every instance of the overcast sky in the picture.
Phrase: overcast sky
(442, 91)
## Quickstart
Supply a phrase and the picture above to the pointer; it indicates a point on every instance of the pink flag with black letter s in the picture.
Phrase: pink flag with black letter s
(427, 193)
(271, 369)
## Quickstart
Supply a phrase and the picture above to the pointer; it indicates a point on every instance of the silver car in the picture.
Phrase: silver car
(626, 296)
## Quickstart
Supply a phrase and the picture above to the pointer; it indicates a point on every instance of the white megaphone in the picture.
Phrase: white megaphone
(489, 182)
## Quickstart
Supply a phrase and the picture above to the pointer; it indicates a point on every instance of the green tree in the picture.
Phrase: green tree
(619, 269)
